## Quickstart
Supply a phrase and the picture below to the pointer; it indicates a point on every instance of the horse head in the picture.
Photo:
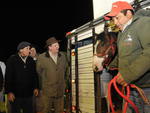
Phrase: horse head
(105, 49)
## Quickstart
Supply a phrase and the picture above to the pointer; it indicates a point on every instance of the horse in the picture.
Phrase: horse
(105, 50)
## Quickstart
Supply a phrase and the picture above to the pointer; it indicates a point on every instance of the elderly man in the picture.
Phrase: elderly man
(133, 59)
(51, 67)
(21, 80)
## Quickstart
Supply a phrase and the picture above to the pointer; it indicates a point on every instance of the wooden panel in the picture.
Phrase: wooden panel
(86, 79)
(87, 60)
(87, 105)
(85, 56)
(85, 65)
(86, 75)
(85, 49)
(85, 70)
(73, 95)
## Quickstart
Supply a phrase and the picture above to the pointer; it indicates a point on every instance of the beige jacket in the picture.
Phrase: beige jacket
(52, 75)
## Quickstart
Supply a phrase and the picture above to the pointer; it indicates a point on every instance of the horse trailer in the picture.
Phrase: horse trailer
(87, 86)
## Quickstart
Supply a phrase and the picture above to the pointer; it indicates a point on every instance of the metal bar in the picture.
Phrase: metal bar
(97, 88)
(70, 76)
(76, 75)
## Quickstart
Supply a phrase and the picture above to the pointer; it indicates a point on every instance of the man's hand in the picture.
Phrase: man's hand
(11, 97)
(120, 80)
(36, 92)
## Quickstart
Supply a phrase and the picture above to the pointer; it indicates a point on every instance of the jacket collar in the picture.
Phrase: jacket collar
(134, 19)
(48, 55)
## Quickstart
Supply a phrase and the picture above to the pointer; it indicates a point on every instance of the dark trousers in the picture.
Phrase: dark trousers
(56, 104)
(22, 104)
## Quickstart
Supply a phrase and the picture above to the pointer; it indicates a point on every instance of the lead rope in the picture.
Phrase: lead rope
(125, 97)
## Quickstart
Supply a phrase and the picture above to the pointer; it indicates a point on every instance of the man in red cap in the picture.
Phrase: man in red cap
(133, 59)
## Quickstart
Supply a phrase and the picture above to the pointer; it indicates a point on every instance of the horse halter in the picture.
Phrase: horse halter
(107, 51)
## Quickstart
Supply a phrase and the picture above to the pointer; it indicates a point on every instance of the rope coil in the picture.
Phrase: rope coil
(125, 96)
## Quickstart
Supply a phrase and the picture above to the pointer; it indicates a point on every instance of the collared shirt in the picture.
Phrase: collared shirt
(53, 56)
(23, 58)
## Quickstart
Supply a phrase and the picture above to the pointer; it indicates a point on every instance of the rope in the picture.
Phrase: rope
(126, 97)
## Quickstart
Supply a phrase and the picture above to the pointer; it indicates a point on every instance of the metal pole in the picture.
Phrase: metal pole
(76, 75)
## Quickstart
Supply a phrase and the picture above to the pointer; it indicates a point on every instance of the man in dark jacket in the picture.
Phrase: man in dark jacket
(2, 75)
(133, 59)
(1, 79)
(21, 80)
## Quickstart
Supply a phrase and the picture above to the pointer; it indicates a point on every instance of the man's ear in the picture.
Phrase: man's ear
(49, 47)
(129, 14)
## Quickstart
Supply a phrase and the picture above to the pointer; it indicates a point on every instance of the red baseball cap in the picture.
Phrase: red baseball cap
(117, 7)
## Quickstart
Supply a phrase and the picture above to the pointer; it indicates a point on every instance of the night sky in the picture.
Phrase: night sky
(37, 24)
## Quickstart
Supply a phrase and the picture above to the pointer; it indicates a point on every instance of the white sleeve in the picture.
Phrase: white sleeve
(3, 67)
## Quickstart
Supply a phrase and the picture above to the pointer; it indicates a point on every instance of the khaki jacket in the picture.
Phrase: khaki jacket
(52, 75)
(134, 52)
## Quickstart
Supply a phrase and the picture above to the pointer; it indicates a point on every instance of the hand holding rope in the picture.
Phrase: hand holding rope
(125, 96)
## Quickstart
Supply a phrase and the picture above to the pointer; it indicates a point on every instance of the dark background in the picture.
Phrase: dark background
(37, 24)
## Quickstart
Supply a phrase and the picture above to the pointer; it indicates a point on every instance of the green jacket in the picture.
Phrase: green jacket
(52, 75)
(134, 52)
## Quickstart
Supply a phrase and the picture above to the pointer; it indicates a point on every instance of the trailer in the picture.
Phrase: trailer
(87, 87)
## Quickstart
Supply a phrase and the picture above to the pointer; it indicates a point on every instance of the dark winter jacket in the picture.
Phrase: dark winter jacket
(1, 79)
(21, 78)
